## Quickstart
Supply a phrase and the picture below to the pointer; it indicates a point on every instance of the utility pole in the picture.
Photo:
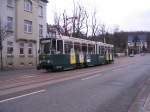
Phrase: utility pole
(67, 23)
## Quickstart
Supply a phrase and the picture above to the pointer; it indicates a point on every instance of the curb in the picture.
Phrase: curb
(142, 101)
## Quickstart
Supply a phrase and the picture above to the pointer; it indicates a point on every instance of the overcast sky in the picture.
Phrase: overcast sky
(127, 14)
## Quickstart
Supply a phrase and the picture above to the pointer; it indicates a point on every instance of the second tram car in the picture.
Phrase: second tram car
(62, 53)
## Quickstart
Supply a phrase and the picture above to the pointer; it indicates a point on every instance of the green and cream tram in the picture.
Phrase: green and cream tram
(62, 53)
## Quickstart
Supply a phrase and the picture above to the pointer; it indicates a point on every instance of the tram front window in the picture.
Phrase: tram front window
(59, 47)
(46, 48)
(53, 47)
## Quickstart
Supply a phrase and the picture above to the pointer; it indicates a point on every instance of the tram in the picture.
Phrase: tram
(63, 53)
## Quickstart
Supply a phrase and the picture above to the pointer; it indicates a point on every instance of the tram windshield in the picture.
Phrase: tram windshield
(51, 46)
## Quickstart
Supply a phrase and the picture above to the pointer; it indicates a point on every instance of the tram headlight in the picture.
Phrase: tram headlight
(48, 61)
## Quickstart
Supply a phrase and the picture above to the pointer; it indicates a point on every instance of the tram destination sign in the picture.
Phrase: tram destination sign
(45, 41)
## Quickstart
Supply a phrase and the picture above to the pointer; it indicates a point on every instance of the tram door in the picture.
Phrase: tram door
(59, 47)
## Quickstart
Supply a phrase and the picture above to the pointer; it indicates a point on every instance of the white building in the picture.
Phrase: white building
(25, 21)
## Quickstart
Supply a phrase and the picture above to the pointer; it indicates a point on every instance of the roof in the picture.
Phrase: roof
(140, 37)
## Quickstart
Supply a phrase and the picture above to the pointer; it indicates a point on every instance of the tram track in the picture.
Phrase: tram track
(118, 82)
(33, 80)
(77, 73)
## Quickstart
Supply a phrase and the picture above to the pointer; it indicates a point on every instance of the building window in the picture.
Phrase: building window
(9, 23)
(30, 49)
(40, 11)
(41, 30)
(28, 5)
(21, 48)
(10, 3)
(9, 48)
(27, 26)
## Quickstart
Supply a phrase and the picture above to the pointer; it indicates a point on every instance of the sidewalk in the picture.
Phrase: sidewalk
(142, 101)
(147, 104)
(7, 74)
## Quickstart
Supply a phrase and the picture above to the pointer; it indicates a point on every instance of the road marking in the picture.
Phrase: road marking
(90, 77)
(117, 69)
(17, 97)
(27, 76)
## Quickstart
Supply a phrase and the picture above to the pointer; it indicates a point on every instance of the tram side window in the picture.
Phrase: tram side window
(68, 46)
(109, 50)
(84, 48)
(59, 46)
(102, 51)
(77, 48)
(91, 49)
(106, 50)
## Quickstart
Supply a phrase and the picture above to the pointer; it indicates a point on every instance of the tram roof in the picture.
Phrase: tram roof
(79, 40)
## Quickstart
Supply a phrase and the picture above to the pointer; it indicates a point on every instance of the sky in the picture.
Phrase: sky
(128, 15)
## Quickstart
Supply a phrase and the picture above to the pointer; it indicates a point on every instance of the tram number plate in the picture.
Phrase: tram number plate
(58, 67)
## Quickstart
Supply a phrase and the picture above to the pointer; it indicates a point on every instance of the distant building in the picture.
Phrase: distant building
(137, 42)
(132, 42)
(26, 24)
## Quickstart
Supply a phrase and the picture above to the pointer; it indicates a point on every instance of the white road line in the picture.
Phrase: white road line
(17, 97)
(117, 69)
(94, 76)
(27, 76)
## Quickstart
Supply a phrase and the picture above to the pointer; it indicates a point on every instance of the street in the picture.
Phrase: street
(108, 88)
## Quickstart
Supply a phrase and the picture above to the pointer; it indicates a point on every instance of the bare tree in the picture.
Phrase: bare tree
(57, 22)
(78, 19)
(103, 31)
(3, 35)
(65, 24)
(94, 25)
(79, 24)
(56, 18)
(74, 19)
(87, 23)
(81, 15)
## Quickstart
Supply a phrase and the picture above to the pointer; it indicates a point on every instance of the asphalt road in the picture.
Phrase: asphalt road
(108, 91)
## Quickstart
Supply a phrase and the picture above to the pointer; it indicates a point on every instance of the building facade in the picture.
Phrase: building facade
(137, 42)
(132, 42)
(25, 23)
